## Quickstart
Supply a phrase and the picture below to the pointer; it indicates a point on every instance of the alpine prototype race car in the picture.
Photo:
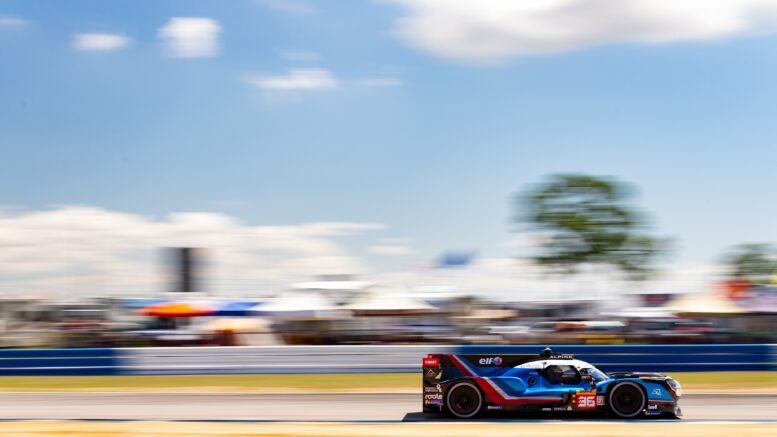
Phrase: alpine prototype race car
(466, 385)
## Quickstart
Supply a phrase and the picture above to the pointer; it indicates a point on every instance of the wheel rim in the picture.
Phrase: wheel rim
(627, 399)
(464, 400)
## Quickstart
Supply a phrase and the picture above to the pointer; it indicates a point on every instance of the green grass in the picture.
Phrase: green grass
(400, 382)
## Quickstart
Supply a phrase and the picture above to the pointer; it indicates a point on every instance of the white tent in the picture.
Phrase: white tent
(299, 305)
(387, 301)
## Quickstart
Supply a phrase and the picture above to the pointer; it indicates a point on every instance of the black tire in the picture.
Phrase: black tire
(464, 400)
(627, 400)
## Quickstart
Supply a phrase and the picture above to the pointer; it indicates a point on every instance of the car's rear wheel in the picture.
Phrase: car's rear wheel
(464, 400)
(627, 400)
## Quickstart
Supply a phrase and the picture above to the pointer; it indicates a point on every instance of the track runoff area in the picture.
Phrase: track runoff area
(347, 414)
(468, 429)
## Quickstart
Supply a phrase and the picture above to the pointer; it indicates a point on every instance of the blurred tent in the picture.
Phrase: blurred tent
(349, 285)
(138, 303)
(338, 289)
(235, 324)
(236, 309)
(640, 313)
(762, 301)
(299, 305)
(488, 314)
(455, 259)
(388, 301)
(709, 305)
(178, 309)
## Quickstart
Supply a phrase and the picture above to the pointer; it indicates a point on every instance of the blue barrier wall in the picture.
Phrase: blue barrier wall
(98, 361)
(366, 359)
(657, 358)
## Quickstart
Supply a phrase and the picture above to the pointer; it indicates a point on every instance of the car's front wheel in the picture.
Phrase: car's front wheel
(627, 400)
(464, 400)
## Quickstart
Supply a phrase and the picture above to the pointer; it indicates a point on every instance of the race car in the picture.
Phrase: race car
(466, 385)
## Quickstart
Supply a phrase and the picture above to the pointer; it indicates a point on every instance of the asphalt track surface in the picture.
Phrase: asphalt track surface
(317, 407)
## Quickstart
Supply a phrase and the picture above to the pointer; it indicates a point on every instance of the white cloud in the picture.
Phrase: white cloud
(296, 79)
(80, 251)
(12, 22)
(191, 37)
(391, 250)
(100, 42)
(380, 82)
(492, 30)
(288, 6)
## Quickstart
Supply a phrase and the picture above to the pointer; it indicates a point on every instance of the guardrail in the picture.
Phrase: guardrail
(278, 359)
(365, 359)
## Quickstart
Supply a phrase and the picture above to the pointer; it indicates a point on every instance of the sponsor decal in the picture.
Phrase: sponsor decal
(653, 410)
(431, 373)
(657, 391)
(562, 356)
(494, 407)
(434, 402)
(599, 400)
(431, 362)
(433, 396)
(490, 361)
(584, 400)
(434, 389)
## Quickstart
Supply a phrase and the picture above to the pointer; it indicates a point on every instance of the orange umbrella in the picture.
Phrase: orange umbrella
(177, 309)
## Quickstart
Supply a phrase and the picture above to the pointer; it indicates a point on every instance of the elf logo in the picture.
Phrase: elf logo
(490, 361)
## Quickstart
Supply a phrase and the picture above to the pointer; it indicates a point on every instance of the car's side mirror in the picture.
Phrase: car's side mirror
(589, 379)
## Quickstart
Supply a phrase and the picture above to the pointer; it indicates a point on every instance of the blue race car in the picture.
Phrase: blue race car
(466, 385)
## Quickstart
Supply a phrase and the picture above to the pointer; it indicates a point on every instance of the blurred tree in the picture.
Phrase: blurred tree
(586, 220)
(754, 263)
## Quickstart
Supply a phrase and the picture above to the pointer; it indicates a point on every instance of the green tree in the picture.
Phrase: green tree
(587, 220)
(755, 263)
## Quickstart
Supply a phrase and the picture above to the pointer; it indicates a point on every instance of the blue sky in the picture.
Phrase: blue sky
(401, 131)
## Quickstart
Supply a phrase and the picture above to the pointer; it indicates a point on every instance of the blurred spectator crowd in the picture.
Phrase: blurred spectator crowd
(353, 312)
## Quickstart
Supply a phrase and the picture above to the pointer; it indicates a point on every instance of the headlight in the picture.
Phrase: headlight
(676, 387)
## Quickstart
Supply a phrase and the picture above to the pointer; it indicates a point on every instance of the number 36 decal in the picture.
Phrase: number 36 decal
(586, 401)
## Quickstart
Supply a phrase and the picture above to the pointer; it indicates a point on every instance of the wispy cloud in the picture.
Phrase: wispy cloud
(303, 79)
(288, 6)
(6, 21)
(100, 42)
(191, 37)
(492, 30)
